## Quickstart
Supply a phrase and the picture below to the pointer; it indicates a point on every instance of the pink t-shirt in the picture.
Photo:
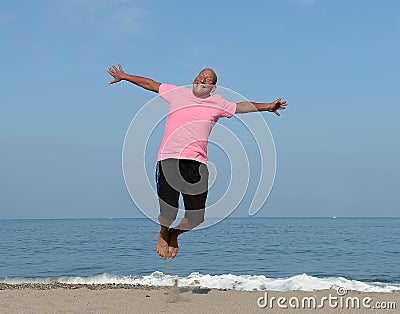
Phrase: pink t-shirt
(189, 122)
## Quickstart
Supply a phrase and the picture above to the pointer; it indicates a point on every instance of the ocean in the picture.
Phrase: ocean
(249, 253)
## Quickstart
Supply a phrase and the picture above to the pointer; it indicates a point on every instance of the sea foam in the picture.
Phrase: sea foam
(302, 282)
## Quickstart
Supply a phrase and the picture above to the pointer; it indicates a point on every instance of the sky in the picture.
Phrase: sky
(62, 127)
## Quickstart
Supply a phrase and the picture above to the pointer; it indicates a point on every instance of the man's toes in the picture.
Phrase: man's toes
(173, 251)
(162, 245)
(162, 251)
(165, 253)
(162, 254)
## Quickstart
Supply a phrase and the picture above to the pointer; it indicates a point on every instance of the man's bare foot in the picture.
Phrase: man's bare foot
(162, 243)
(173, 243)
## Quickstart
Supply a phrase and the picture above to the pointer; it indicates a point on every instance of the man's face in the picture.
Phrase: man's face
(204, 83)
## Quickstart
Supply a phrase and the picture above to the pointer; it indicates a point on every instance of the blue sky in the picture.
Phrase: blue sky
(335, 62)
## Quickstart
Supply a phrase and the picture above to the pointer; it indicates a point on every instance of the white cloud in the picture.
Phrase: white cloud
(132, 19)
(5, 18)
(114, 15)
(94, 3)
(304, 3)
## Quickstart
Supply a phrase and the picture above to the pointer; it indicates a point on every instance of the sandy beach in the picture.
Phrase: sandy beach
(62, 298)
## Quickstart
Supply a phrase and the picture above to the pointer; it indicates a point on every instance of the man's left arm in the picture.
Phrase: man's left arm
(250, 106)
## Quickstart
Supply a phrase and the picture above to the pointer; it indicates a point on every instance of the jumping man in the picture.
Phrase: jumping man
(182, 157)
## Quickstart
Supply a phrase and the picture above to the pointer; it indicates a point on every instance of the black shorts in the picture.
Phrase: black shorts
(186, 177)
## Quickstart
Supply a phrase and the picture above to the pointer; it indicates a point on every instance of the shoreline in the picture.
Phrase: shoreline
(126, 298)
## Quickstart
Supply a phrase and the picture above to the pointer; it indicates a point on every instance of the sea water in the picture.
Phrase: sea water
(249, 253)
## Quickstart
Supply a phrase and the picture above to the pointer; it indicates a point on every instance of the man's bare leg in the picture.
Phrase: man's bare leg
(163, 238)
(184, 226)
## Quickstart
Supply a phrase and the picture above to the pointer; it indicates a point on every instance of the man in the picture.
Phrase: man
(182, 157)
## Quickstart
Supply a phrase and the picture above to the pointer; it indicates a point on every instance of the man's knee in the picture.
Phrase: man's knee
(167, 212)
(196, 217)
(164, 221)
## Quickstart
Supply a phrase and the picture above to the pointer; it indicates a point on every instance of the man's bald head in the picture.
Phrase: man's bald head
(206, 76)
(210, 72)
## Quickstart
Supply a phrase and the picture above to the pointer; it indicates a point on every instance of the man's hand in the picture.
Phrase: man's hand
(278, 105)
(251, 106)
(118, 74)
(115, 72)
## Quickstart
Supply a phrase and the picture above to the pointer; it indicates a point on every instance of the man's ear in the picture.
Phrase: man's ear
(214, 89)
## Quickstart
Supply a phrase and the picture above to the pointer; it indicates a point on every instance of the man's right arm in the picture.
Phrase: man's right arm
(118, 74)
